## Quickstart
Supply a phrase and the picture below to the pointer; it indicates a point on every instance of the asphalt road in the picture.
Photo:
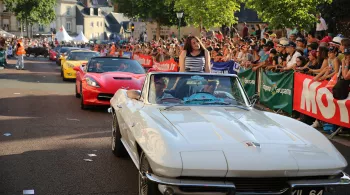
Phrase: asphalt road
(51, 136)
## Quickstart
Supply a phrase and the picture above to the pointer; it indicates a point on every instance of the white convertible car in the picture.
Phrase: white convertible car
(195, 133)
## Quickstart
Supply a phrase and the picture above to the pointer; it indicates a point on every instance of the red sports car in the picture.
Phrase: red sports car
(101, 77)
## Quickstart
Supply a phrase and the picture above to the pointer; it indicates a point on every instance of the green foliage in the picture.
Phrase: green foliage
(157, 10)
(287, 13)
(208, 13)
(33, 11)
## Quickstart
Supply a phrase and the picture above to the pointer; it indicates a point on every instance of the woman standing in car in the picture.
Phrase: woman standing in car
(195, 57)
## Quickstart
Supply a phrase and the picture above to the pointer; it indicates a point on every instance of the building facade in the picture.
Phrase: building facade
(91, 22)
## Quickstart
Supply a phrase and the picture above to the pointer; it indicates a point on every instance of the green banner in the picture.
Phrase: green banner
(277, 90)
(248, 78)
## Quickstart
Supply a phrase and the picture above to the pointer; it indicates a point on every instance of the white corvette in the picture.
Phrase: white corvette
(193, 133)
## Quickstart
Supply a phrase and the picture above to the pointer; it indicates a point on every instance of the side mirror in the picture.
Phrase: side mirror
(134, 94)
(254, 99)
(76, 68)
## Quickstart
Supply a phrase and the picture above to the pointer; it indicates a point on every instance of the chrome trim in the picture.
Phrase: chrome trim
(263, 193)
(133, 158)
(109, 110)
(189, 183)
(344, 179)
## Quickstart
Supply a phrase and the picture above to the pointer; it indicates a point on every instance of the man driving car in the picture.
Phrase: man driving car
(161, 84)
(211, 86)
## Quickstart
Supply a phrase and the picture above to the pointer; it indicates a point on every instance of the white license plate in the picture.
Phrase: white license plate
(308, 191)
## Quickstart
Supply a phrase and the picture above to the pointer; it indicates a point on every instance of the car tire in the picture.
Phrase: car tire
(118, 148)
(77, 95)
(146, 187)
(82, 105)
(45, 55)
(58, 63)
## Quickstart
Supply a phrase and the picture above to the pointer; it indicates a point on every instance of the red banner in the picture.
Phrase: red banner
(314, 99)
(165, 66)
(145, 60)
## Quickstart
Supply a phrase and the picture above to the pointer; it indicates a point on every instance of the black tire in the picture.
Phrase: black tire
(58, 63)
(82, 105)
(45, 55)
(77, 95)
(118, 148)
(146, 187)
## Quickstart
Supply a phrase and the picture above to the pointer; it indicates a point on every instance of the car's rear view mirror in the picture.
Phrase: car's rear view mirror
(134, 94)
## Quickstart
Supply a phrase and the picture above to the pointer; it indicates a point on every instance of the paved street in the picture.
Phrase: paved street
(51, 136)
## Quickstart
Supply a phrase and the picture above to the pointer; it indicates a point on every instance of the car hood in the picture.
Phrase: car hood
(250, 143)
(230, 125)
(112, 81)
(77, 63)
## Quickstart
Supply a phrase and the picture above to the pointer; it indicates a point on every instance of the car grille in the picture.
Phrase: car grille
(104, 96)
(267, 186)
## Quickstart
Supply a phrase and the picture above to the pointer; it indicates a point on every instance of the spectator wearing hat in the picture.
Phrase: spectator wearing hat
(292, 57)
(264, 55)
(330, 65)
(282, 53)
(301, 43)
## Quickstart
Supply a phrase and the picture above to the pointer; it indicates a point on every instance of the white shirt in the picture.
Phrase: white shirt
(322, 25)
(292, 60)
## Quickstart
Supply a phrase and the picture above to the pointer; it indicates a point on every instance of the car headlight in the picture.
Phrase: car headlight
(92, 82)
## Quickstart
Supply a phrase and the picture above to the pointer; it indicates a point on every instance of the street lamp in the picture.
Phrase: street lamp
(179, 16)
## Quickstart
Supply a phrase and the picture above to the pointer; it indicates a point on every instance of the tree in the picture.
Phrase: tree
(287, 13)
(32, 11)
(208, 13)
(158, 10)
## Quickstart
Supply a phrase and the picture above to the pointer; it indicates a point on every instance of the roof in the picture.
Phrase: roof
(100, 3)
(85, 11)
(119, 17)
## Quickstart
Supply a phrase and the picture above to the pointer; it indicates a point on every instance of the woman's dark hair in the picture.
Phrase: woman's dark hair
(322, 54)
(303, 60)
(188, 46)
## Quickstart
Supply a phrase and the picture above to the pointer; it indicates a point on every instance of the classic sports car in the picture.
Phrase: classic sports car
(97, 81)
(75, 59)
(196, 133)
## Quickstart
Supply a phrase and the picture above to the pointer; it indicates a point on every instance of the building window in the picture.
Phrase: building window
(69, 26)
(92, 24)
(69, 11)
(41, 28)
(92, 35)
(97, 23)
(100, 23)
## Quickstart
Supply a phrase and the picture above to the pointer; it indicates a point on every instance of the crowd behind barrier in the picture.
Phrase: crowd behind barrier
(268, 65)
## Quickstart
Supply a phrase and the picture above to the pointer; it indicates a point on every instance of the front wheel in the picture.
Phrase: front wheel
(82, 105)
(146, 187)
(77, 95)
(118, 148)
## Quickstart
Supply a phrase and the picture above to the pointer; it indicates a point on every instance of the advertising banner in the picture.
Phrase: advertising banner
(165, 66)
(313, 99)
(145, 60)
(248, 80)
(276, 90)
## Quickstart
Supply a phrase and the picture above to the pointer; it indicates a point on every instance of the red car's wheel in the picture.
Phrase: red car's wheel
(77, 95)
(83, 106)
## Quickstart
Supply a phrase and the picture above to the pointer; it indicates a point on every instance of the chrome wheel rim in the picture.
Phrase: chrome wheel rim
(143, 185)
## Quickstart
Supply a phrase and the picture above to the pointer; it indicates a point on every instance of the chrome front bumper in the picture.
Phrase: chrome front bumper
(171, 186)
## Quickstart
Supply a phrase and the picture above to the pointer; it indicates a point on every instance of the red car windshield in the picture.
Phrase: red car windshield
(101, 65)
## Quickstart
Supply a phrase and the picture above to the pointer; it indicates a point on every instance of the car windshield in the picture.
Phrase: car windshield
(101, 65)
(64, 49)
(82, 55)
(170, 89)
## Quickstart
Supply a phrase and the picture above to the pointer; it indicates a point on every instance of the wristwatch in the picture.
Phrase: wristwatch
(346, 67)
